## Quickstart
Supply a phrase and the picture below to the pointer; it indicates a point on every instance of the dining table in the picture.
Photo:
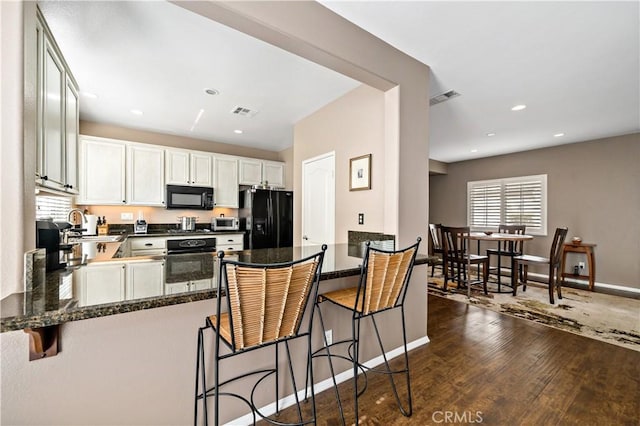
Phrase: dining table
(499, 238)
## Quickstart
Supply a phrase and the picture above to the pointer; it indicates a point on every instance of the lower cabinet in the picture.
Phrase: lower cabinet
(112, 282)
(98, 284)
(230, 242)
(145, 279)
(182, 287)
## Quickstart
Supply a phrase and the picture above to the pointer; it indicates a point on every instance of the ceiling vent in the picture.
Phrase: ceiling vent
(443, 97)
(245, 112)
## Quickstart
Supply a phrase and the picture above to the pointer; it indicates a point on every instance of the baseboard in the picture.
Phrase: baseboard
(583, 283)
(290, 400)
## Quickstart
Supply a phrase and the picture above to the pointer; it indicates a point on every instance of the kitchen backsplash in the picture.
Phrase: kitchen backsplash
(113, 214)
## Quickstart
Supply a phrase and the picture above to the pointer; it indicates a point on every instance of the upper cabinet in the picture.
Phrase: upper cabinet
(225, 191)
(260, 172)
(145, 175)
(184, 167)
(57, 115)
(102, 171)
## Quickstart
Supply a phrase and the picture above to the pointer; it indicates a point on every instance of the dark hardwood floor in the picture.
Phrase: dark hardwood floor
(484, 367)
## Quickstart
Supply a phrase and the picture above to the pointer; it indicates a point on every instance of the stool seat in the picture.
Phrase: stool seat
(345, 298)
(225, 326)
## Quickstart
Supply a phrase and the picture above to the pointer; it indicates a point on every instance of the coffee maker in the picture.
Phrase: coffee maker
(48, 237)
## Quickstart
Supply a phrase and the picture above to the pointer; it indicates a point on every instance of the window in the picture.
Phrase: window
(510, 201)
(56, 208)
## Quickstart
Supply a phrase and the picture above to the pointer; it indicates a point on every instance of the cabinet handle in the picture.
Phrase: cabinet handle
(148, 244)
(124, 201)
(70, 186)
(45, 177)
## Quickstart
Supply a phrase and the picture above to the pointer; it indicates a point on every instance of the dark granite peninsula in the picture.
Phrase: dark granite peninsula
(111, 282)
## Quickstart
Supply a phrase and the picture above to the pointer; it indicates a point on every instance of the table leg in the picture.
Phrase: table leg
(592, 269)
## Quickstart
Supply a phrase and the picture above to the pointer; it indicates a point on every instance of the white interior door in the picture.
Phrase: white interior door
(318, 200)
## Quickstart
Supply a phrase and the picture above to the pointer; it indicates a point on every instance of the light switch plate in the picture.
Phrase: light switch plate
(126, 216)
(360, 218)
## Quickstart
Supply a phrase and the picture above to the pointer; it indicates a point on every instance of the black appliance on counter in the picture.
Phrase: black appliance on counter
(266, 216)
(189, 197)
(48, 237)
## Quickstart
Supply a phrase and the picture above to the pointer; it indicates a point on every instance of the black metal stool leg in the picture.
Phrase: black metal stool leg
(332, 371)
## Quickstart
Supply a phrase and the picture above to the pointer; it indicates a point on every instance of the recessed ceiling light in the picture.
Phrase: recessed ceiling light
(491, 134)
(238, 131)
(518, 107)
(136, 112)
(558, 135)
(474, 150)
(89, 95)
(212, 92)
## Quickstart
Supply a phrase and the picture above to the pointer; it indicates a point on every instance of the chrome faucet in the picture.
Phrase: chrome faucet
(84, 218)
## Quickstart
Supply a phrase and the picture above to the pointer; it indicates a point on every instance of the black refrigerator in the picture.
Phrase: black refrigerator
(266, 216)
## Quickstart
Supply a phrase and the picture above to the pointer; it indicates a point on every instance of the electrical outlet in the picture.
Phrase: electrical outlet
(360, 218)
(328, 336)
(581, 265)
(126, 216)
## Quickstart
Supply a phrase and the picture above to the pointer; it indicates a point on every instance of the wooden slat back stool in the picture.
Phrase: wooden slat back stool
(384, 279)
(265, 305)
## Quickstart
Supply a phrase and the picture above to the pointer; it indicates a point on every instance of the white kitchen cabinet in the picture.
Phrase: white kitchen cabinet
(182, 287)
(145, 175)
(230, 242)
(249, 171)
(185, 167)
(57, 115)
(145, 279)
(103, 283)
(273, 173)
(252, 171)
(102, 171)
(72, 128)
(225, 191)
(151, 246)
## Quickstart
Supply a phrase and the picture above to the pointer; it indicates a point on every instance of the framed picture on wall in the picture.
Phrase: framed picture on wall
(360, 173)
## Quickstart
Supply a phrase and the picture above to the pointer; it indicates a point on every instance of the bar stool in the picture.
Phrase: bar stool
(383, 284)
(265, 305)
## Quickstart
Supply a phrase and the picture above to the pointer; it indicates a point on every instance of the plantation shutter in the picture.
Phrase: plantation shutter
(509, 201)
(523, 203)
(56, 208)
(484, 205)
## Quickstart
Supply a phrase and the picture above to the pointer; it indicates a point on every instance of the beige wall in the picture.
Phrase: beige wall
(350, 126)
(592, 189)
(133, 135)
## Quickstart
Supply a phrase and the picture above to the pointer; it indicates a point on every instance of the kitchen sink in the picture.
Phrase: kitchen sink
(96, 239)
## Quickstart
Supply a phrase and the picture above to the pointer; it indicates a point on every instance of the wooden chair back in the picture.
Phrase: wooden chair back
(385, 281)
(512, 246)
(434, 231)
(454, 242)
(267, 302)
(556, 246)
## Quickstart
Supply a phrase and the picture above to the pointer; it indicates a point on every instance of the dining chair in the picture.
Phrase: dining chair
(507, 248)
(455, 243)
(265, 305)
(382, 287)
(553, 261)
(436, 244)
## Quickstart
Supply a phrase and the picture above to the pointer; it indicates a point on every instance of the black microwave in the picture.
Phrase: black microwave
(189, 197)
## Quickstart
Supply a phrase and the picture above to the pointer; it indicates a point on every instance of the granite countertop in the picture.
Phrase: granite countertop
(61, 298)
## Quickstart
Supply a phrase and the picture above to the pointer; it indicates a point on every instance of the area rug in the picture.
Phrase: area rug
(611, 319)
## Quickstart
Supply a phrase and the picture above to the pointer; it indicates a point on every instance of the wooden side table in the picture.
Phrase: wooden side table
(586, 249)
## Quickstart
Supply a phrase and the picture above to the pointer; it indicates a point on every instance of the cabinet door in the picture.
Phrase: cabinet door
(204, 284)
(145, 175)
(250, 171)
(177, 167)
(53, 118)
(201, 169)
(226, 182)
(145, 279)
(72, 116)
(273, 173)
(102, 171)
(40, 170)
(102, 284)
(175, 288)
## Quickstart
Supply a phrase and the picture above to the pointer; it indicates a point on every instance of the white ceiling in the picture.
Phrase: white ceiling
(576, 65)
